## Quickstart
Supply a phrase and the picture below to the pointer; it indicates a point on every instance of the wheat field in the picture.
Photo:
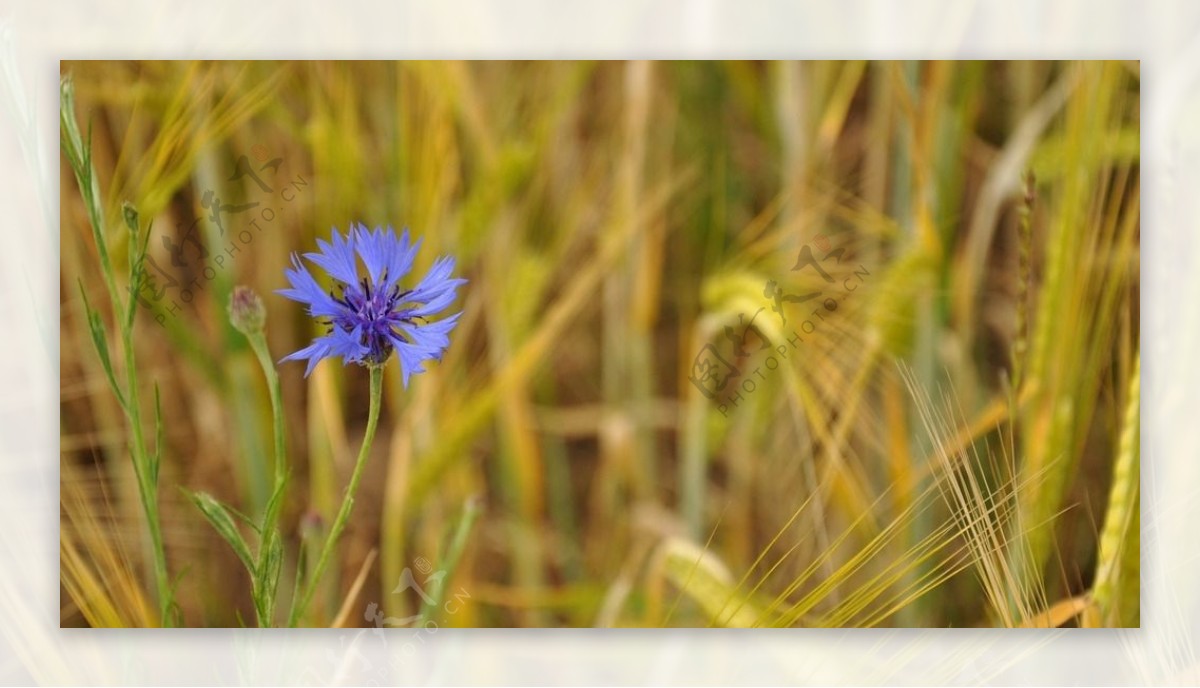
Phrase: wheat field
(742, 344)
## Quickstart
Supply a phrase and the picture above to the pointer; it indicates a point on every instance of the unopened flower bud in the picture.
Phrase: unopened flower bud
(246, 310)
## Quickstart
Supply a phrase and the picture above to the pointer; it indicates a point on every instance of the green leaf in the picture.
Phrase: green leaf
(137, 261)
(267, 582)
(96, 327)
(156, 457)
(244, 519)
(70, 128)
(219, 517)
(276, 496)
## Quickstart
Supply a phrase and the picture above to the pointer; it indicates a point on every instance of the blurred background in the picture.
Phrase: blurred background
(744, 343)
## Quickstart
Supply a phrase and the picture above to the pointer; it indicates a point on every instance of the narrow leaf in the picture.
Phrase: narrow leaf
(267, 582)
(219, 517)
(100, 340)
(156, 457)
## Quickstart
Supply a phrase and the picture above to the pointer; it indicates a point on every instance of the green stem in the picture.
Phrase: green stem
(266, 593)
(259, 345)
(148, 485)
(450, 563)
(343, 515)
(145, 467)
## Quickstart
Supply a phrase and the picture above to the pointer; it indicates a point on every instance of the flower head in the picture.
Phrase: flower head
(370, 316)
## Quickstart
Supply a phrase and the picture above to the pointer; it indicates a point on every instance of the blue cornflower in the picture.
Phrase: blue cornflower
(368, 317)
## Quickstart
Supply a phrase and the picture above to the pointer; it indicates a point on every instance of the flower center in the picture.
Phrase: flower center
(377, 313)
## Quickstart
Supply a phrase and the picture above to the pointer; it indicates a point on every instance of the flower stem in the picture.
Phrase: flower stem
(343, 515)
(267, 577)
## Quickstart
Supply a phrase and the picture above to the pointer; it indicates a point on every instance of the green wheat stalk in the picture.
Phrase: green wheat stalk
(1115, 592)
